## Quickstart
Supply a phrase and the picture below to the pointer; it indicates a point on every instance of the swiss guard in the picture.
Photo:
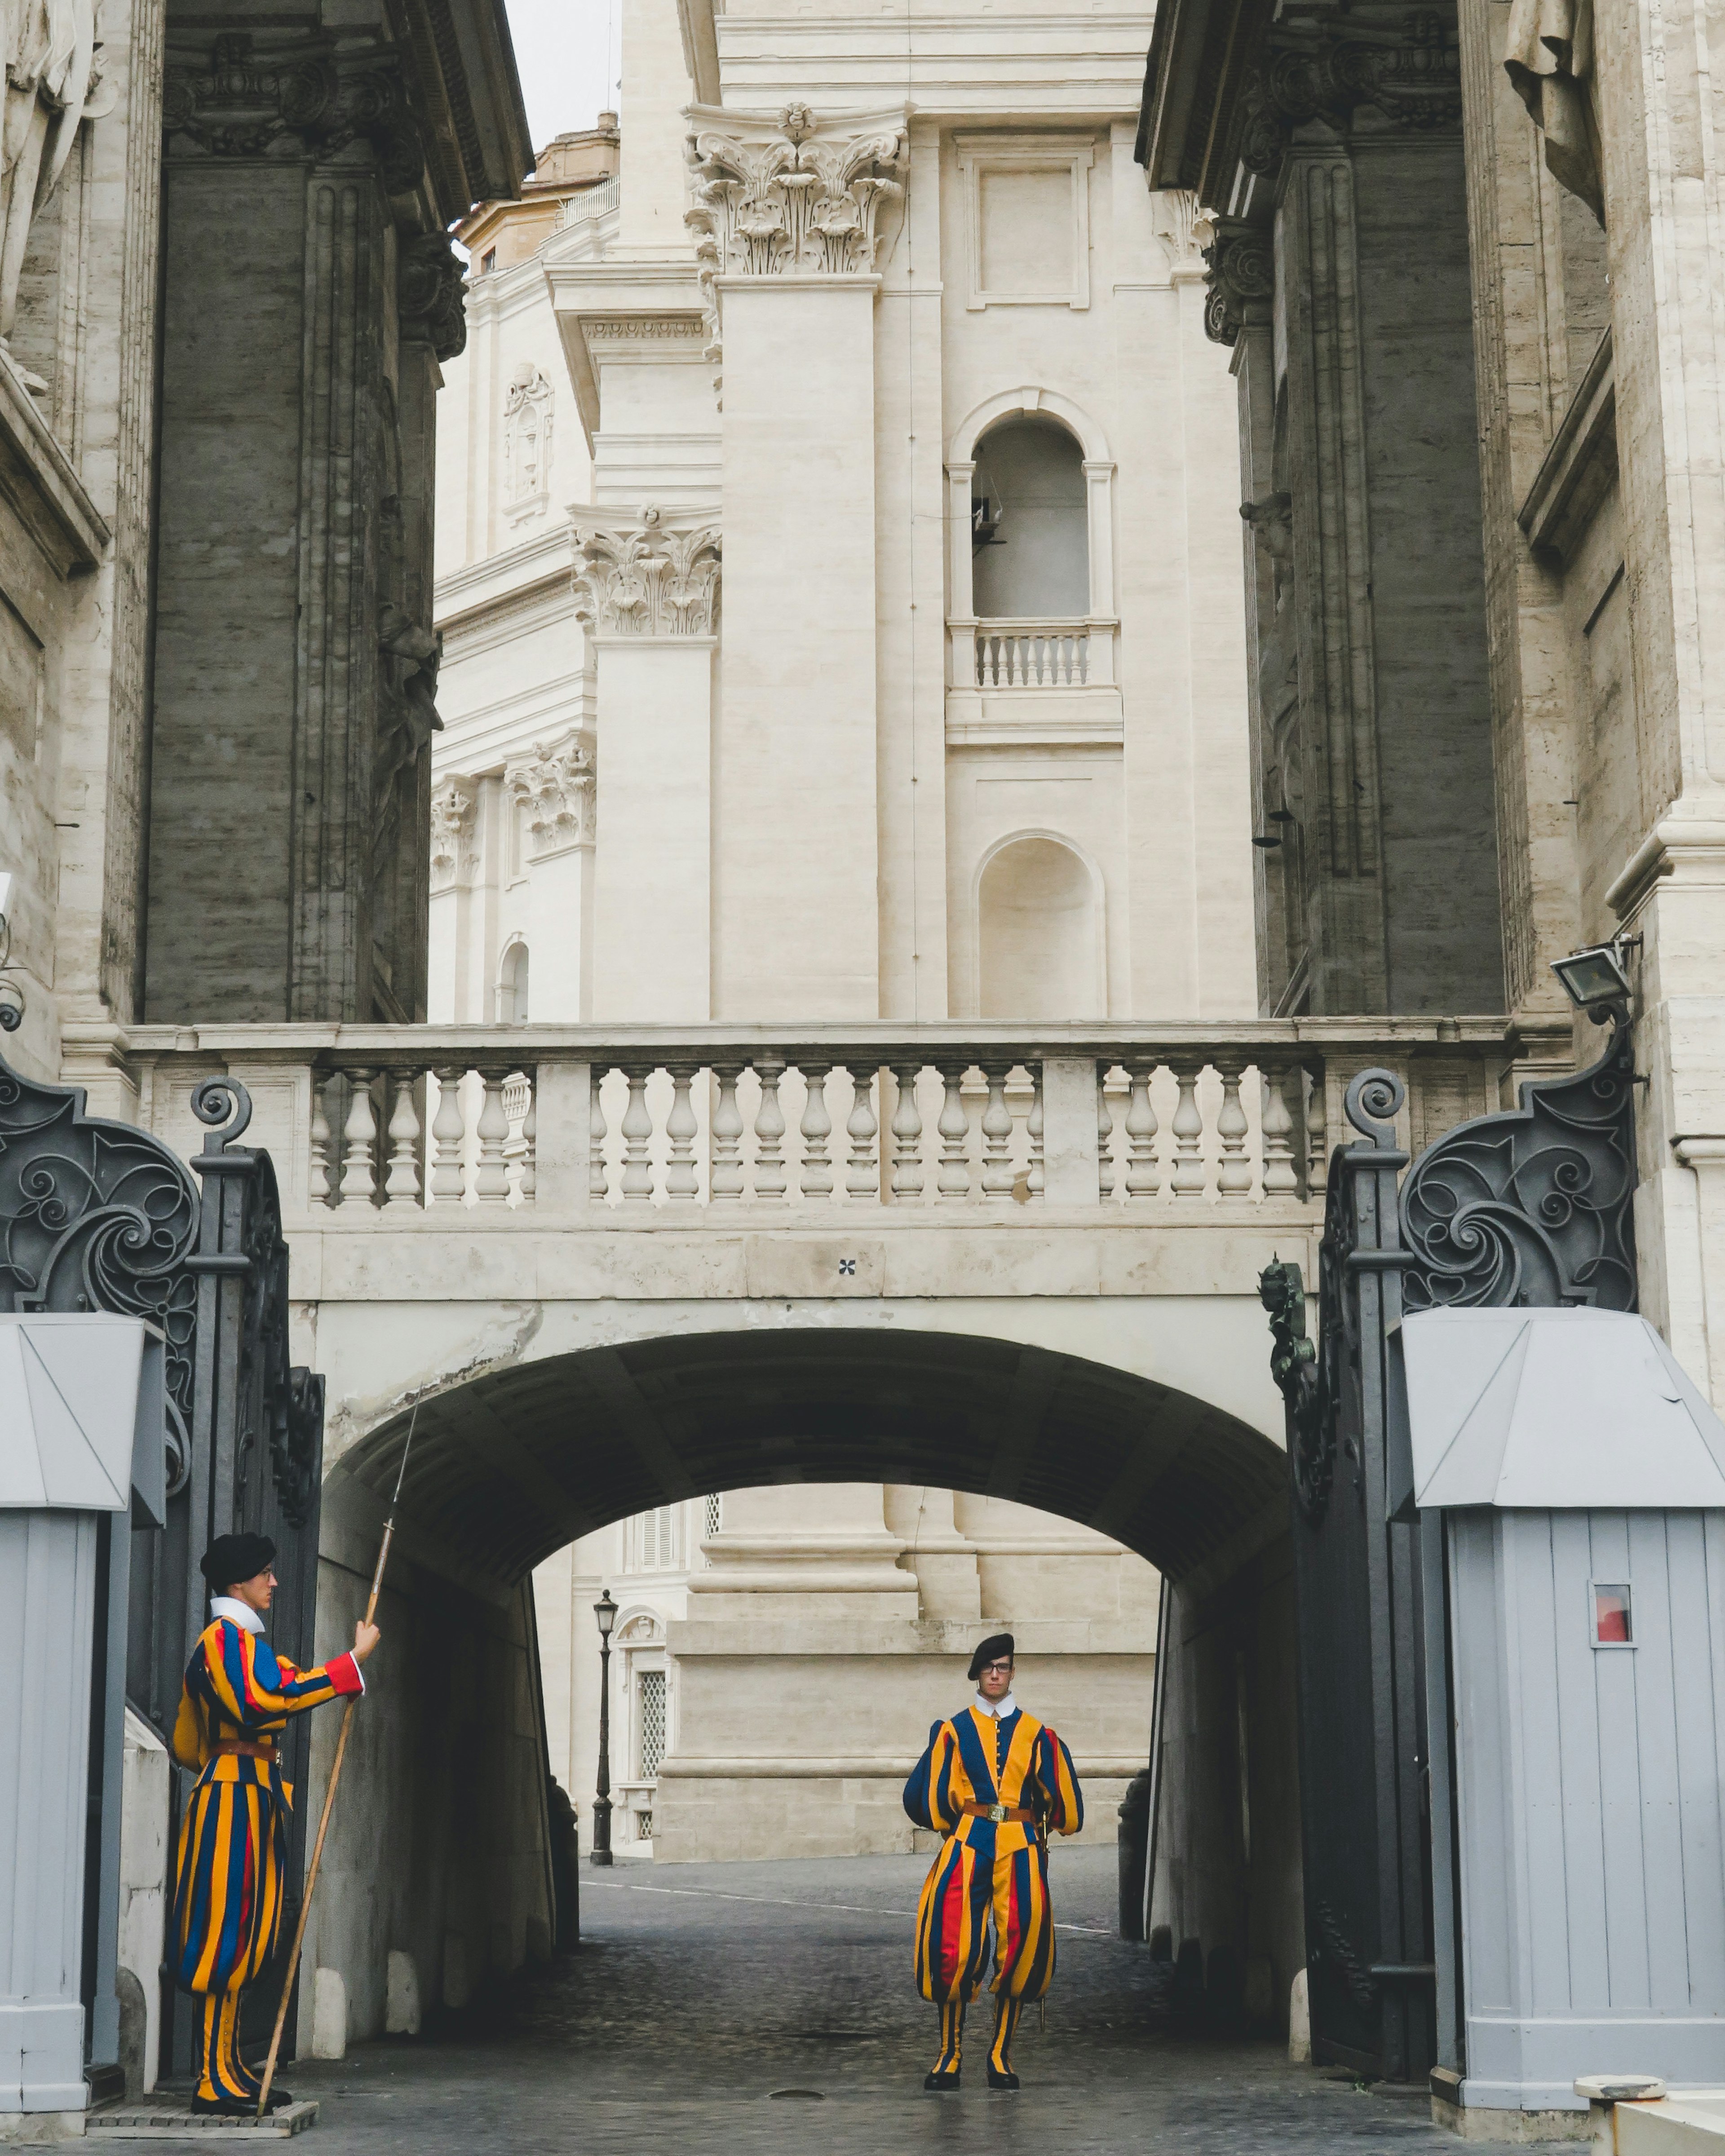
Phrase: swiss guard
(229, 1874)
(995, 1782)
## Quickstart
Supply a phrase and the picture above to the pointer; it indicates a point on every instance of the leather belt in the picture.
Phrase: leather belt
(1000, 1814)
(237, 1747)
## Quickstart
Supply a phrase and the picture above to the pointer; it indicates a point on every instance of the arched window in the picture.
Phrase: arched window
(1030, 524)
(512, 986)
(1037, 934)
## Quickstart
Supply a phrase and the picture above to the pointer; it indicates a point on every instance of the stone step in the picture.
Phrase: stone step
(170, 2118)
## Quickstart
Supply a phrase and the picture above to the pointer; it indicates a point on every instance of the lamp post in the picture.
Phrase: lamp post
(605, 1611)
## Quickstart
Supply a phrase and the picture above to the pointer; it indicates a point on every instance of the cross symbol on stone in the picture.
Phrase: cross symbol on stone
(847, 1265)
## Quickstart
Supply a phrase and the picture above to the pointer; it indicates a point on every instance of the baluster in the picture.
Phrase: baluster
(450, 1131)
(681, 1179)
(320, 1141)
(1033, 1131)
(726, 1179)
(598, 1182)
(862, 1178)
(771, 1181)
(1317, 1148)
(1234, 1173)
(816, 1127)
(952, 1178)
(1143, 1178)
(998, 1178)
(1187, 1180)
(906, 1137)
(359, 1178)
(1280, 1178)
(638, 1136)
(1105, 1136)
(528, 1183)
(491, 1185)
(401, 1187)
(1081, 656)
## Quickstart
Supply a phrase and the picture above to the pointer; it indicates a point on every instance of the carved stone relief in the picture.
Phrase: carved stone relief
(646, 579)
(529, 410)
(554, 791)
(241, 102)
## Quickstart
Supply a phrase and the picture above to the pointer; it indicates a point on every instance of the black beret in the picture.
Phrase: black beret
(997, 1645)
(230, 1558)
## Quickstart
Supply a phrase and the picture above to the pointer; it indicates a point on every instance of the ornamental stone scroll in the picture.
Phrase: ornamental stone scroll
(647, 579)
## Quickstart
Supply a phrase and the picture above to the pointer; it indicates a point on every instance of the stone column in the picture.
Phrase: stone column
(1663, 200)
(1353, 126)
(791, 212)
(295, 665)
(646, 595)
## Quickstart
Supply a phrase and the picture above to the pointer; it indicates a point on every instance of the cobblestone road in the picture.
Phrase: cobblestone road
(767, 2007)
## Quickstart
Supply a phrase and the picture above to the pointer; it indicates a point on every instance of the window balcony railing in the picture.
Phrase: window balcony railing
(1032, 654)
(643, 1125)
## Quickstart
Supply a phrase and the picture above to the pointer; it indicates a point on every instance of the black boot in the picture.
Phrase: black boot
(1006, 2021)
(943, 2079)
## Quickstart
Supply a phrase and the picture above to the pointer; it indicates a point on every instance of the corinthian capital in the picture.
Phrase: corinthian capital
(792, 195)
(553, 789)
(645, 579)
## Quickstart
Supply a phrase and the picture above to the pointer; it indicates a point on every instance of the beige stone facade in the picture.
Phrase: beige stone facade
(749, 1623)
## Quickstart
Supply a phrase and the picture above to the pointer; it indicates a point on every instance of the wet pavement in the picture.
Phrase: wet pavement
(738, 2008)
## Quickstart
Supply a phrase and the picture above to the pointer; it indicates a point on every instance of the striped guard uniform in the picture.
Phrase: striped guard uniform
(989, 1872)
(229, 1874)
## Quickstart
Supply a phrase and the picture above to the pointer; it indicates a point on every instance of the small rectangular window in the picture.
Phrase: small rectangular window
(1612, 1624)
(488, 261)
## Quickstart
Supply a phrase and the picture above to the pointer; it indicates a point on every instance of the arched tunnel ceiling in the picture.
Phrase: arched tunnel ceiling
(509, 1467)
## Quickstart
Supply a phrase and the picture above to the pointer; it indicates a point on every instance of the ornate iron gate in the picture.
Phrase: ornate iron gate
(99, 1216)
(1530, 1206)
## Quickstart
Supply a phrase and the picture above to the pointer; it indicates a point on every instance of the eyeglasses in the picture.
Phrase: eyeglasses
(997, 1669)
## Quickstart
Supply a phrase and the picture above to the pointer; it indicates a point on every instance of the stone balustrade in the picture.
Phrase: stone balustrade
(1012, 1123)
(1029, 655)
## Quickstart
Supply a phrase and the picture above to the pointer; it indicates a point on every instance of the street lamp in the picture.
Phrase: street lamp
(605, 1611)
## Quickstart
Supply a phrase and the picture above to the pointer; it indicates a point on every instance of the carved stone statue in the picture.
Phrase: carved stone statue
(52, 71)
(1550, 57)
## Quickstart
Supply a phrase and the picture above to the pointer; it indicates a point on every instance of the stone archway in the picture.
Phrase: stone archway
(443, 1849)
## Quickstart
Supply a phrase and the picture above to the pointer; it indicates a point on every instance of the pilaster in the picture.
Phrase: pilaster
(790, 212)
(647, 595)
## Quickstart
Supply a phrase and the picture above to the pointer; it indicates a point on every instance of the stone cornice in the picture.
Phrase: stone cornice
(38, 479)
(1580, 465)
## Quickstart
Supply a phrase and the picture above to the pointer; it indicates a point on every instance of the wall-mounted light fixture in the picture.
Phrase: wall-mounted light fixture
(1594, 979)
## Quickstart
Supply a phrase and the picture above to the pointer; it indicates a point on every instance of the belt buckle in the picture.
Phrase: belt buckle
(998, 1813)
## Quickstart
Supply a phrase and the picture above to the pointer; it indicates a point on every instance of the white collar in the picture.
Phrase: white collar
(240, 1613)
(1000, 1708)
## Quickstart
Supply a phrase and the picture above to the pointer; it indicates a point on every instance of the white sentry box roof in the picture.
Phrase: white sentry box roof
(1586, 1409)
(73, 1390)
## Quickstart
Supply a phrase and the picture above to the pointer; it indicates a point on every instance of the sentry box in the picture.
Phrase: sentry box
(1568, 1483)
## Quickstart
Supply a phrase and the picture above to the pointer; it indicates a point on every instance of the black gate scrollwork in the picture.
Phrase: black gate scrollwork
(99, 1215)
(1532, 1205)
